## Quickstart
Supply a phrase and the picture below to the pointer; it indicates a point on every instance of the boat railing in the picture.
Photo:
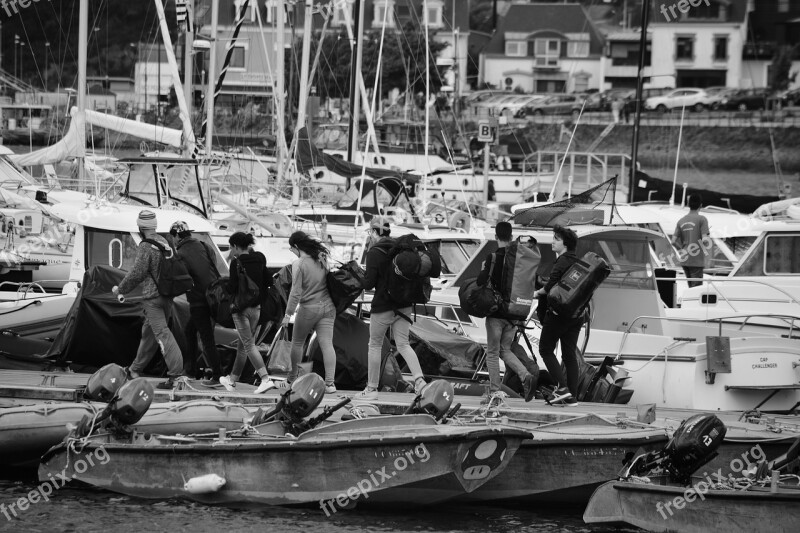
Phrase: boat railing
(22, 288)
(789, 319)
(713, 283)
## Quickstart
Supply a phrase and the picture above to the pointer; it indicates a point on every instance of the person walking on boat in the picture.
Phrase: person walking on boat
(557, 328)
(198, 257)
(383, 313)
(315, 309)
(247, 263)
(157, 308)
(692, 241)
(500, 331)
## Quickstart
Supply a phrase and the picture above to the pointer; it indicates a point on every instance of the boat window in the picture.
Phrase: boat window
(739, 245)
(110, 248)
(783, 255)
(141, 184)
(453, 258)
(629, 261)
(753, 264)
(718, 260)
(350, 197)
(384, 196)
(470, 247)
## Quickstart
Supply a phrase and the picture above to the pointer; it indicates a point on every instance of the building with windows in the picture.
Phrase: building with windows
(773, 24)
(544, 48)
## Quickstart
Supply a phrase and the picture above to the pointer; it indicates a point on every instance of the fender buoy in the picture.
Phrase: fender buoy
(459, 220)
(204, 484)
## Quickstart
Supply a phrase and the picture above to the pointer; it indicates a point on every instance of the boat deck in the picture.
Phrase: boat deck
(21, 387)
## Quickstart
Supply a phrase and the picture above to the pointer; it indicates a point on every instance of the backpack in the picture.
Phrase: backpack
(480, 301)
(405, 291)
(573, 291)
(344, 285)
(247, 292)
(519, 280)
(220, 301)
(173, 276)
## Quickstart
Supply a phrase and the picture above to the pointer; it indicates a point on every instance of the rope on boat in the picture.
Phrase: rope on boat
(33, 302)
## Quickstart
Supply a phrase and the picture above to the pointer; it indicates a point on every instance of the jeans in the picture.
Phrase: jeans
(200, 322)
(499, 337)
(694, 272)
(246, 323)
(156, 334)
(554, 329)
(319, 317)
(378, 324)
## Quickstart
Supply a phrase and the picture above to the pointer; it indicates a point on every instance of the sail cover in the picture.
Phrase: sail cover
(579, 209)
(309, 156)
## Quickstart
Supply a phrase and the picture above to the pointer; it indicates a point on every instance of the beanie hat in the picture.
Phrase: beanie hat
(146, 220)
(379, 223)
(407, 262)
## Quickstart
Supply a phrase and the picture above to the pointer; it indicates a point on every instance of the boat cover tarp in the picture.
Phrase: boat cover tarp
(647, 188)
(99, 329)
(440, 350)
(309, 156)
(578, 209)
(351, 343)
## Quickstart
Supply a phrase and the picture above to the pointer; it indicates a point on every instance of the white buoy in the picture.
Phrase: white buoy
(204, 484)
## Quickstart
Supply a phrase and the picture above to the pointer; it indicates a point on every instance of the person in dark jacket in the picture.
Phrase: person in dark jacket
(254, 266)
(500, 331)
(383, 313)
(557, 328)
(157, 308)
(200, 261)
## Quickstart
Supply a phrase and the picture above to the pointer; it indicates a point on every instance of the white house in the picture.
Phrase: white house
(544, 48)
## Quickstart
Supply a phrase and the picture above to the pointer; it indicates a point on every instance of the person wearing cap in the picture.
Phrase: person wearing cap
(157, 308)
(383, 313)
(200, 260)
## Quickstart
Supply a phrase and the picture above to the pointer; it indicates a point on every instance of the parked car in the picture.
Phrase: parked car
(747, 99)
(493, 103)
(512, 107)
(479, 96)
(594, 101)
(559, 104)
(630, 97)
(695, 99)
(790, 98)
(606, 97)
(718, 95)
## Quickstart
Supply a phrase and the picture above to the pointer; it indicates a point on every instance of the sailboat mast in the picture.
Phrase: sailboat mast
(427, 100)
(638, 117)
(188, 62)
(83, 30)
(305, 60)
(352, 145)
(212, 72)
(280, 88)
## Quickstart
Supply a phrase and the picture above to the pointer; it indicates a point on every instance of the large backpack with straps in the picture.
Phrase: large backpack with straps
(573, 291)
(519, 279)
(173, 276)
(412, 288)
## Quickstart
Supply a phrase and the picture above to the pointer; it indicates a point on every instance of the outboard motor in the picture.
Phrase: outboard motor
(132, 401)
(305, 395)
(693, 444)
(435, 399)
(105, 383)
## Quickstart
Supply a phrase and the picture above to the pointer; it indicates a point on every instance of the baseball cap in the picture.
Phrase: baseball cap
(179, 227)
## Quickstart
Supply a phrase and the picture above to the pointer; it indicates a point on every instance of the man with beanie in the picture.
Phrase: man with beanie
(500, 331)
(199, 258)
(383, 313)
(157, 309)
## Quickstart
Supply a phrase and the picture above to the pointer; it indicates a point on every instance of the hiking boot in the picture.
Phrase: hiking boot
(266, 384)
(226, 382)
(212, 383)
(529, 387)
(367, 394)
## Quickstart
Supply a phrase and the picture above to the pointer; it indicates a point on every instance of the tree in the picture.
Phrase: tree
(780, 75)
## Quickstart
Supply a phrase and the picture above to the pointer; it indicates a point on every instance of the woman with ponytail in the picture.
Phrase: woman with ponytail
(315, 309)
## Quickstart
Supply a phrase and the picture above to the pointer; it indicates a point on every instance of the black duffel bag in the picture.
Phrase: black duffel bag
(220, 302)
(479, 301)
(345, 285)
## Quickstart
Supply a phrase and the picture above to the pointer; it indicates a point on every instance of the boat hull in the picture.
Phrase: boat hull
(405, 466)
(645, 506)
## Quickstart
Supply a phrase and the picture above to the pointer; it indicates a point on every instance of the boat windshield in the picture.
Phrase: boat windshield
(453, 256)
(739, 245)
(775, 255)
(350, 197)
(172, 181)
(630, 261)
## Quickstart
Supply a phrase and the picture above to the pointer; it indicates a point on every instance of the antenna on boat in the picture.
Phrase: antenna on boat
(677, 158)
(638, 114)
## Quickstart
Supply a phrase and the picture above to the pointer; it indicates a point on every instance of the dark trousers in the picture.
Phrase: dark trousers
(200, 322)
(694, 272)
(555, 329)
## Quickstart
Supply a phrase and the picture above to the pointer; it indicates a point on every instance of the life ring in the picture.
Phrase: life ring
(438, 217)
(459, 221)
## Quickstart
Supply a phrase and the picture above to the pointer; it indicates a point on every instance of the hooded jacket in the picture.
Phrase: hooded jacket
(146, 268)
(199, 261)
(378, 263)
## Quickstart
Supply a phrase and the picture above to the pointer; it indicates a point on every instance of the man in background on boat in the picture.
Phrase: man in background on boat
(691, 240)
(199, 260)
(500, 331)
(384, 314)
(563, 329)
(157, 308)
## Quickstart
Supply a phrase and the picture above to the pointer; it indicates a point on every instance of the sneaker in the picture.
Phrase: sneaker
(571, 401)
(419, 384)
(131, 374)
(266, 384)
(226, 382)
(529, 387)
(330, 389)
(212, 383)
(166, 385)
(282, 384)
(367, 394)
(495, 398)
(562, 394)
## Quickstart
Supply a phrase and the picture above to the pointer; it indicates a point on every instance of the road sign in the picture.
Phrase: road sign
(485, 132)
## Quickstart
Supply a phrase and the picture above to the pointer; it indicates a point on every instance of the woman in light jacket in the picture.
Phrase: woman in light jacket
(315, 309)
